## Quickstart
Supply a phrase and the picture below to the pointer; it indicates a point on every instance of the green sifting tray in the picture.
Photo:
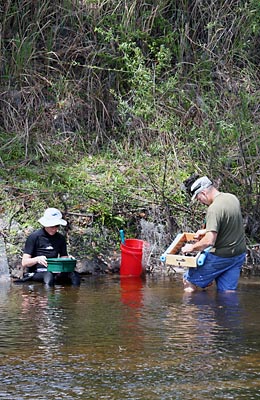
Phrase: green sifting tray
(61, 264)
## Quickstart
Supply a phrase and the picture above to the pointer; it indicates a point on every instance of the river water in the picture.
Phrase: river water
(129, 338)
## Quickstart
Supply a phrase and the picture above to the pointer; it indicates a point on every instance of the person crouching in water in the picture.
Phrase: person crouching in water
(45, 243)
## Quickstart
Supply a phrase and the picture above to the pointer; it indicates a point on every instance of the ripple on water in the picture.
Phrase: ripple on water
(129, 341)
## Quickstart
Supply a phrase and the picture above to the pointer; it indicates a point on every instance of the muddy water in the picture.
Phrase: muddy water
(129, 339)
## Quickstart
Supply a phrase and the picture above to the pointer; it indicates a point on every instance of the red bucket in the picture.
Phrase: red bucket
(134, 244)
(132, 257)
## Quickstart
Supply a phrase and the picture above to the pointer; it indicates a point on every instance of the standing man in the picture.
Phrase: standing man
(45, 243)
(224, 231)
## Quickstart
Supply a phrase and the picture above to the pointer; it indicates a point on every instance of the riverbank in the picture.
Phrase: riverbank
(105, 262)
(107, 109)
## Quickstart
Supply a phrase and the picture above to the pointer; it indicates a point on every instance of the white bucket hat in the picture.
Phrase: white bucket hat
(199, 185)
(52, 217)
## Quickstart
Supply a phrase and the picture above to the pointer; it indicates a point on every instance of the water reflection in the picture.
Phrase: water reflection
(223, 308)
(131, 291)
(129, 338)
(48, 313)
(5, 286)
(216, 318)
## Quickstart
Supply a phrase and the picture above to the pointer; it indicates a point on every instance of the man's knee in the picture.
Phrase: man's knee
(75, 278)
(188, 286)
(48, 278)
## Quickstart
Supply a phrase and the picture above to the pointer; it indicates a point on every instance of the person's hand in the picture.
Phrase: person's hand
(188, 248)
(42, 260)
(199, 234)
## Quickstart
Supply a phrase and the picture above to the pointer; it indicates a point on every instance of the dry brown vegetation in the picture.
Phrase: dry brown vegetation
(170, 86)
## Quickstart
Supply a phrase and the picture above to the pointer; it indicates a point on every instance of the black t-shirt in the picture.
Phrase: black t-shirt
(40, 243)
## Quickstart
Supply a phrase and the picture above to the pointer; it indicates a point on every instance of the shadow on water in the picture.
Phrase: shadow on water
(129, 338)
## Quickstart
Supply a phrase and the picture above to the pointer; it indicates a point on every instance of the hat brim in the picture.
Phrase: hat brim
(49, 222)
(198, 191)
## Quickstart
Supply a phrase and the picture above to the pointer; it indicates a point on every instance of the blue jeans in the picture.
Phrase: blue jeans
(225, 271)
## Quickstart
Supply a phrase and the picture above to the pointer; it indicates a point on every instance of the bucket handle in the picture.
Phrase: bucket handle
(122, 236)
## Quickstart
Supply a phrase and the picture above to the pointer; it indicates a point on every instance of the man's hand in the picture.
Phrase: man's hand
(206, 240)
(188, 248)
(200, 233)
(42, 260)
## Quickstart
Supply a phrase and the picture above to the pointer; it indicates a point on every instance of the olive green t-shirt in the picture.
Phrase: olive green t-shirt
(224, 217)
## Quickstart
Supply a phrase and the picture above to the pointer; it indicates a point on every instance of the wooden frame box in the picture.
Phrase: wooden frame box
(170, 257)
